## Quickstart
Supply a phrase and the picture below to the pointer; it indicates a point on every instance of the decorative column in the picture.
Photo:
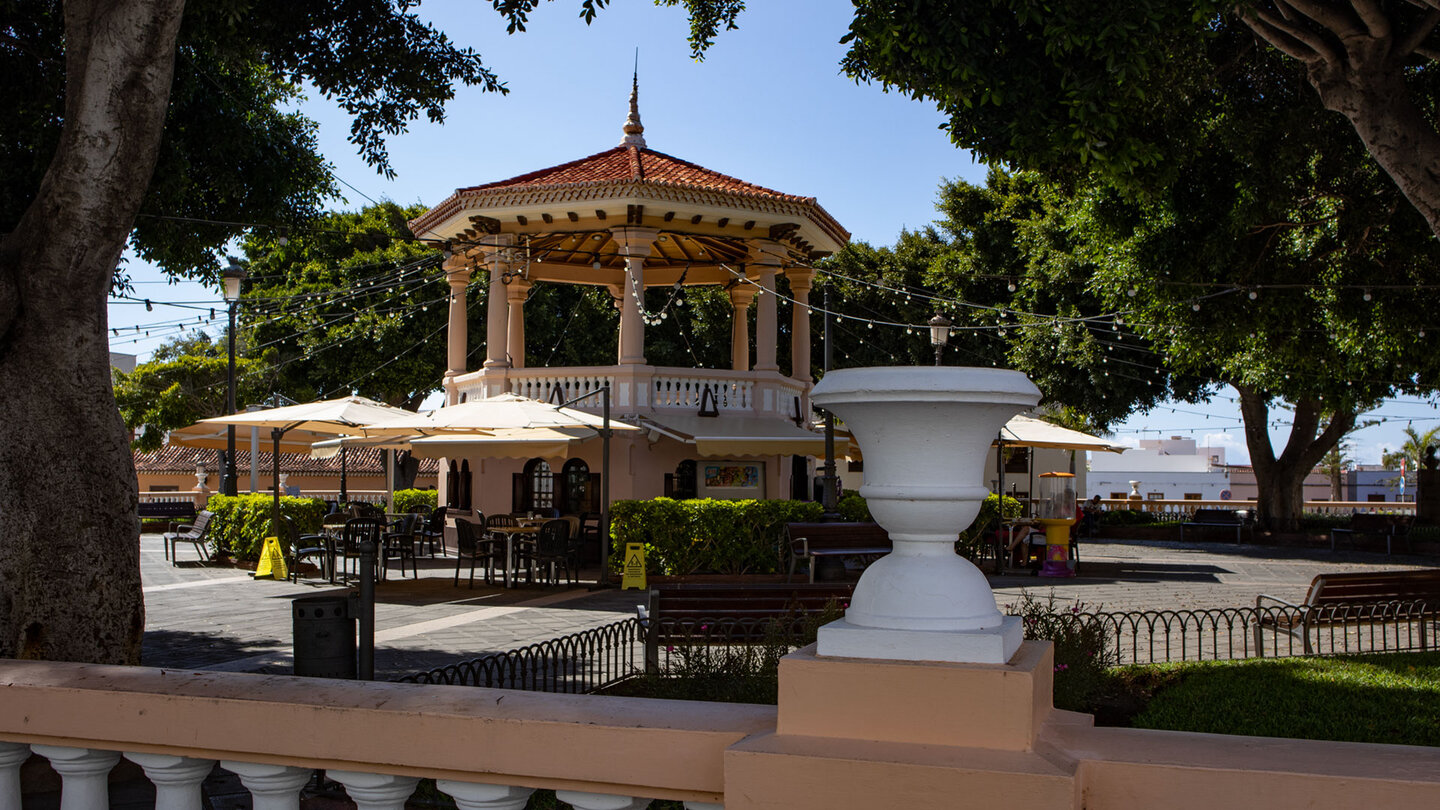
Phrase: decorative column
(516, 293)
(12, 756)
(481, 796)
(177, 780)
(800, 323)
(766, 259)
(497, 306)
(457, 274)
(272, 787)
(601, 801)
(375, 791)
(740, 297)
(634, 245)
(84, 775)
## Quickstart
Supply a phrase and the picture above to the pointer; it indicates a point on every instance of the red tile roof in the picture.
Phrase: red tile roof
(172, 459)
(633, 163)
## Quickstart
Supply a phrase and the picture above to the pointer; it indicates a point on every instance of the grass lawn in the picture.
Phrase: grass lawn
(1391, 698)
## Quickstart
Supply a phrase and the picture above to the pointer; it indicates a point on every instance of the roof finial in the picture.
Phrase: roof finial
(634, 130)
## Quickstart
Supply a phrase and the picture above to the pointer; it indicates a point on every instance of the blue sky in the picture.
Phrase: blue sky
(768, 105)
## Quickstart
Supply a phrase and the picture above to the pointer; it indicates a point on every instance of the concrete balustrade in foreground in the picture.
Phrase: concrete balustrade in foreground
(848, 732)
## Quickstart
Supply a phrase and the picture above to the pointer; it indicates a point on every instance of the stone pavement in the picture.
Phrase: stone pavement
(205, 617)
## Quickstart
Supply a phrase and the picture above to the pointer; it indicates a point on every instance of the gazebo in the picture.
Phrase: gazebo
(627, 219)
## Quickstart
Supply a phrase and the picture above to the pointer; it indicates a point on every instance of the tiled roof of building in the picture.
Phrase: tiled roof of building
(634, 163)
(172, 459)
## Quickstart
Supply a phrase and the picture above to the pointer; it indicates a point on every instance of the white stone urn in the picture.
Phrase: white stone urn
(925, 432)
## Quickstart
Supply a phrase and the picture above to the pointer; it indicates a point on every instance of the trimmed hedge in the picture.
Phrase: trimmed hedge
(706, 535)
(406, 500)
(242, 523)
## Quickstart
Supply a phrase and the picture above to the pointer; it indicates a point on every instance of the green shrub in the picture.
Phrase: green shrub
(853, 508)
(1082, 651)
(727, 537)
(988, 519)
(407, 500)
(242, 523)
(1127, 517)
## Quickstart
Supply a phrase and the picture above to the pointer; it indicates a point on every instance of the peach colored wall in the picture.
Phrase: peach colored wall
(307, 483)
(848, 733)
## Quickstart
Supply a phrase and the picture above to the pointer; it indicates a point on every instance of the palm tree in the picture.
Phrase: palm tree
(1413, 450)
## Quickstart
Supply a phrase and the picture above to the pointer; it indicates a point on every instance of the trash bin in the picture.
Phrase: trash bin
(324, 636)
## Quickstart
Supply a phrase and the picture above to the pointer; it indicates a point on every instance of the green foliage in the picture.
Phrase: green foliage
(1127, 517)
(1082, 649)
(184, 382)
(408, 500)
(726, 537)
(1412, 451)
(853, 508)
(987, 520)
(242, 523)
(1387, 698)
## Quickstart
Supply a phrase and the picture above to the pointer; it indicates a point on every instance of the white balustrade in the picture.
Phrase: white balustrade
(272, 787)
(483, 796)
(177, 780)
(12, 756)
(84, 775)
(600, 801)
(375, 791)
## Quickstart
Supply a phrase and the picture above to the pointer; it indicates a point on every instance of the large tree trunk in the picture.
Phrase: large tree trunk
(1357, 60)
(69, 535)
(1281, 479)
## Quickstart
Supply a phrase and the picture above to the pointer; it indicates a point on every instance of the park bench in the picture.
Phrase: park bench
(1371, 524)
(197, 534)
(704, 613)
(1219, 518)
(174, 511)
(1358, 599)
(812, 542)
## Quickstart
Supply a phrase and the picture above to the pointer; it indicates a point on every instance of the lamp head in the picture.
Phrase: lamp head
(939, 330)
(232, 276)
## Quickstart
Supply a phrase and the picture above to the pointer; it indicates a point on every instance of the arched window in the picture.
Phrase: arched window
(575, 487)
(538, 494)
(452, 485)
(684, 486)
(466, 486)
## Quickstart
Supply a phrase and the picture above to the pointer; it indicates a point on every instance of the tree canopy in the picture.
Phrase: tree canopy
(185, 381)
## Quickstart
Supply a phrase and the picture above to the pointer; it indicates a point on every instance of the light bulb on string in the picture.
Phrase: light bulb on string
(1367, 295)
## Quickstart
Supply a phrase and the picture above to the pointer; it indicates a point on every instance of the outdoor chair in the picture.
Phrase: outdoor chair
(432, 534)
(399, 544)
(553, 547)
(358, 530)
(469, 545)
(196, 534)
(588, 537)
(302, 547)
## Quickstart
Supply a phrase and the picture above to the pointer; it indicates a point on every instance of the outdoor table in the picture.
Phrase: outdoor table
(511, 532)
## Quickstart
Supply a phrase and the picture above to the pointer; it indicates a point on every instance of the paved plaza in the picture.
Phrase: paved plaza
(200, 616)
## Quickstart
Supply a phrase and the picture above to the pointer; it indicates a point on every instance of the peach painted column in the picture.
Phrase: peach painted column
(740, 297)
(634, 245)
(457, 273)
(765, 259)
(496, 312)
(516, 293)
(800, 323)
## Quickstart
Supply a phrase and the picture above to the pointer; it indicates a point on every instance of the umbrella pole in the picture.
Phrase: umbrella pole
(604, 578)
(275, 434)
(342, 478)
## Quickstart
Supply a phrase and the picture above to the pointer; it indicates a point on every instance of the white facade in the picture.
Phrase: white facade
(1167, 469)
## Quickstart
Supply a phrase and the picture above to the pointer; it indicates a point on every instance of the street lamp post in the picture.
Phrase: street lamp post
(939, 335)
(232, 276)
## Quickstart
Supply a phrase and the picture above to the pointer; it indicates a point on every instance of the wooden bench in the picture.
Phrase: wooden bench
(702, 613)
(197, 534)
(1219, 518)
(1361, 598)
(1370, 524)
(812, 541)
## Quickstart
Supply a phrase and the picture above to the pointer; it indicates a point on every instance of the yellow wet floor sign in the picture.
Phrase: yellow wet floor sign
(272, 561)
(634, 576)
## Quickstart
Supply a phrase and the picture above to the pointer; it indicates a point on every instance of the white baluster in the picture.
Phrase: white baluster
(84, 775)
(12, 756)
(177, 779)
(703, 806)
(600, 801)
(482, 796)
(375, 791)
(272, 787)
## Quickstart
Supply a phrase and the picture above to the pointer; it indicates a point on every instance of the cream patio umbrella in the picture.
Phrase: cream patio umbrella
(1027, 431)
(331, 417)
(508, 412)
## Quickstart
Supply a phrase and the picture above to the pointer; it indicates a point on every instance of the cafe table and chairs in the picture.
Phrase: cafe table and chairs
(507, 528)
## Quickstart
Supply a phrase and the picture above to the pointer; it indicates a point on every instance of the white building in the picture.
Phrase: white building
(1167, 469)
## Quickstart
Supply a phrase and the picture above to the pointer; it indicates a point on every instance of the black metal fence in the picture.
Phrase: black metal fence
(593, 659)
